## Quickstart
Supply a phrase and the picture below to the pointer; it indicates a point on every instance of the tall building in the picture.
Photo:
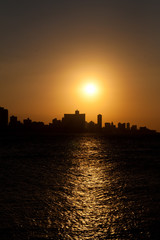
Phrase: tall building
(74, 122)
(121, 126)
(3, 117)
(128, 126)
(99, 121)
(13, 121)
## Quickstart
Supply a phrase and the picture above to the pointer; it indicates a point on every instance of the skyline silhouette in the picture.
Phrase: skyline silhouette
(71, 123)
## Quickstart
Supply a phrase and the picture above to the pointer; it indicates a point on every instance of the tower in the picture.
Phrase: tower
(3, 117)
(99, 121)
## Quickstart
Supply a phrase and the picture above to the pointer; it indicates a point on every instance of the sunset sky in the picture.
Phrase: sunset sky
(51, 49)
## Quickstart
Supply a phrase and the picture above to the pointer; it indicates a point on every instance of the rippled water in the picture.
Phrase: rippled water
(79, 187)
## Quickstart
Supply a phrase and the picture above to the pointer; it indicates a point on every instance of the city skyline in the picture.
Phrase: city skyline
(96, 55)
(70, 122)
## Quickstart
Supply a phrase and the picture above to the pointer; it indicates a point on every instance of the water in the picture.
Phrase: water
(79, 187)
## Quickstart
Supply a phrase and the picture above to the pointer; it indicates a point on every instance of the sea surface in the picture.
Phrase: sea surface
(79, 187)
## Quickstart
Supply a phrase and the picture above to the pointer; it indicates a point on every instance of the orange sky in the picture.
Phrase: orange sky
(50, 49)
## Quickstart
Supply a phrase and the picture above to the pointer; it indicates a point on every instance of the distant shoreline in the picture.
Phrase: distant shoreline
(19, 134)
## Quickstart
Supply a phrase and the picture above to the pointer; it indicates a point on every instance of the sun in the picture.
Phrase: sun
(90, 89)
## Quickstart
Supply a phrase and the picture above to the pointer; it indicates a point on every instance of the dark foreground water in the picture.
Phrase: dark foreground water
(79, 187)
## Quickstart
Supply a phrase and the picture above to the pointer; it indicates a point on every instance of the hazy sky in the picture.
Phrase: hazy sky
(49, 49)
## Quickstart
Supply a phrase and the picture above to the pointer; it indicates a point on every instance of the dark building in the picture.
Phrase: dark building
(110, 128)
(3, 117)
(37, 125)
(56, 124)
(134, 128)
(121, 126)
(99, 121)
(91, 126)
(74, 122)
(27, 122)
(14, 123)
(128, 126)
(13, 120)
(107, 125)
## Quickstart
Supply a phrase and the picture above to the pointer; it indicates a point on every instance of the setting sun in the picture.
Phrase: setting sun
(90, 89)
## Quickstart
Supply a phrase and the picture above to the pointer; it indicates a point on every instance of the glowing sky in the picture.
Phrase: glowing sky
(50, 49)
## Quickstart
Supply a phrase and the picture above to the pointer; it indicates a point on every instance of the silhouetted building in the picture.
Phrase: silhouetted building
(74, 122)
(91, 126)
(110, 128)
(56, 124)
(134, 127)
(107, 125)
(121, 126)
(27, 122)
(128, 126)
(13, 121)
(143, 129)
(37, 125)
(99, 121)
(3, 117)
(112, 124)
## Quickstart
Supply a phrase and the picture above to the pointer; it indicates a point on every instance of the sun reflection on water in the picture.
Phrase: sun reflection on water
(88, 196)
(85, 197)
